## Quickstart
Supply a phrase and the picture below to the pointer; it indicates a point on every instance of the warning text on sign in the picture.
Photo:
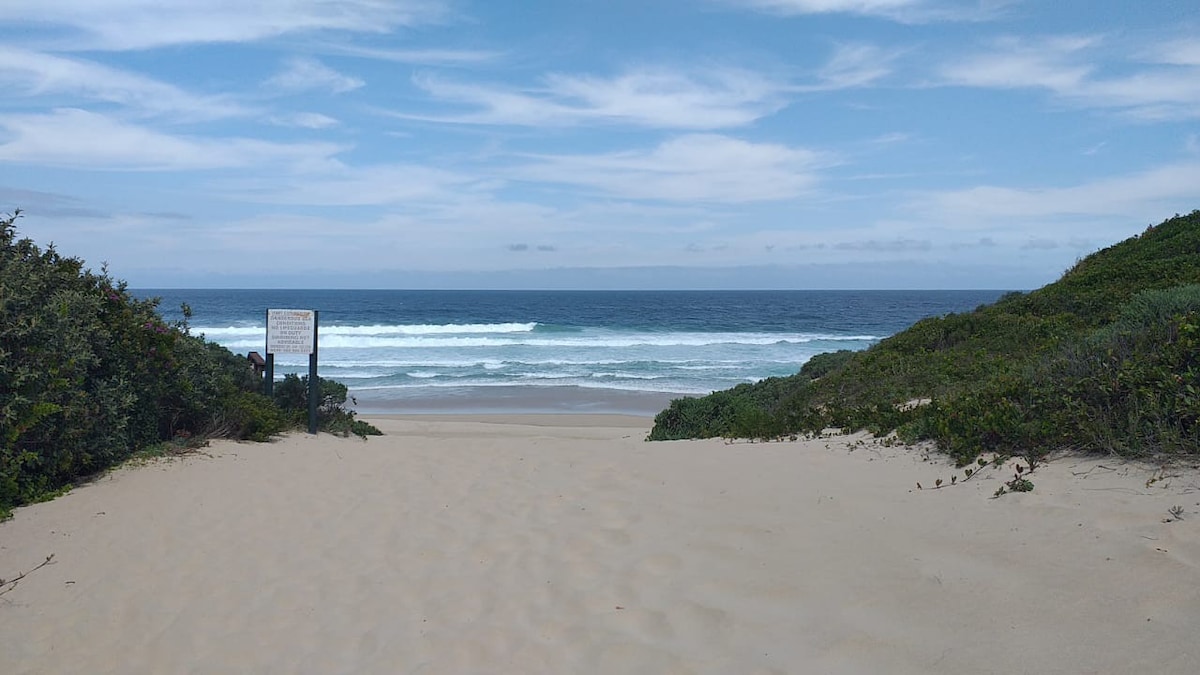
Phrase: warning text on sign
(290, 331)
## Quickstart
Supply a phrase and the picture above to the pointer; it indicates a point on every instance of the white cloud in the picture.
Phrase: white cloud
(1166, 189)
(1015, 63)
(854, 65)
(692, 168)
(422, 56)
(145, 24)
(870, 7)
(712, 99)
(1072, 68)
(338, 185)
(79, 139)
(306, 74)
(305, 120)
(30, 73)
(1182, 52)
(914, 11)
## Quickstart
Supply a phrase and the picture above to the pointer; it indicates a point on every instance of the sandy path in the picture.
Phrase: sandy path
(569, 545)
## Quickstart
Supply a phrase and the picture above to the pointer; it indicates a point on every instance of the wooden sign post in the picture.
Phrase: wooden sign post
(294, 331)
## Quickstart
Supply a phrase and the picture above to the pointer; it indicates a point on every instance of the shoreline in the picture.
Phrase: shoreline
(533, 419)
(565, 543)
(511, 400)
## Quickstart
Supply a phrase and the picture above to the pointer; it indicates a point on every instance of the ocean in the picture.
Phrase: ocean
(553, 351)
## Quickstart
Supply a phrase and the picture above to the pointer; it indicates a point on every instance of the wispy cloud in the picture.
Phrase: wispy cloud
(413, 56)
(1013, 63)
(36, 74)
(79, 139)
(39, 203)
(853, 65)
(657, 98)
(306, 74)
(304, 120)
(691, 168)
(866, 7)
(1181, 52)
(699, 99)
(905, 11)
(1172, 187)
(338, 185)
(1074, 69)
(145, 24)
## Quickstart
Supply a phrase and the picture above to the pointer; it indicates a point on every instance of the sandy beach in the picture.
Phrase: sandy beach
(567, 544)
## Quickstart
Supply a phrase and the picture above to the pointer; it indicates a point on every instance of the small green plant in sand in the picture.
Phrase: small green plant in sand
(1019, 483)
(968, 474)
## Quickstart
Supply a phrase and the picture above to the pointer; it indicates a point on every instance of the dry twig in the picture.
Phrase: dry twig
(7, 585)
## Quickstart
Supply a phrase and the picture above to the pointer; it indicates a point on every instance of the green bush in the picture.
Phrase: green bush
(1106, 359)
(821, 365)
(291, 395)
(90, 375)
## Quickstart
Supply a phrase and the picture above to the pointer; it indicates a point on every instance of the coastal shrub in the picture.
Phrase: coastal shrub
(1106, 359)
(709, 416)
(90, 375)
(820, 365)
(291, 395)
(1137, 381)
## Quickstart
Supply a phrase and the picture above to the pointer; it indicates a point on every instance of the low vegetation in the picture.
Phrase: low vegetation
(1104, 360)
(90, 375)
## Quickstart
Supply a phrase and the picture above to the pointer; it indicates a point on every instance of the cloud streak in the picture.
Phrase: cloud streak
(78, 139)
(334, 184)
(1171, 187)
(35, 74)
(145, 24)
(655, 98)
(691, 168)
(903, 11)
(853, 65)
(1072, 68)
(307, 74)
(414, 56)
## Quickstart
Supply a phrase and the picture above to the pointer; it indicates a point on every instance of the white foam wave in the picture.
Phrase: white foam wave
(614, 342)
(218, 333)
(664, 387)
(424, 375)
(626, 376)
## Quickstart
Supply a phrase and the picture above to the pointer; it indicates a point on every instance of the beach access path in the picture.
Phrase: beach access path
(567, 544)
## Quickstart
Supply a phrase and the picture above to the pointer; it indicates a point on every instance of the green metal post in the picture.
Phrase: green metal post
(314, 385)
(269, 383)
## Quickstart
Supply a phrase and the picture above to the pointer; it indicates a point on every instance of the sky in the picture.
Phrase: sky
(810, 144)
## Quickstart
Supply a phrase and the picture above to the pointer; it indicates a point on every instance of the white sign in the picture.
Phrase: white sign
(290, 331)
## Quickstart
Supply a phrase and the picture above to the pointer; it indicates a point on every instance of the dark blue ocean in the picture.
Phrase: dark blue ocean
(401, 350)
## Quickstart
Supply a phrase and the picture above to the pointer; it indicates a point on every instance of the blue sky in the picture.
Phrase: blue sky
(596, 143)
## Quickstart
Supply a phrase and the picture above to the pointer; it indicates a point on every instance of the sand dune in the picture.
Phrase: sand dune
(568, 545)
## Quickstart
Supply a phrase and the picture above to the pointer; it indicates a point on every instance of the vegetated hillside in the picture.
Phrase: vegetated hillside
(90, 375)
(1106, 359)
